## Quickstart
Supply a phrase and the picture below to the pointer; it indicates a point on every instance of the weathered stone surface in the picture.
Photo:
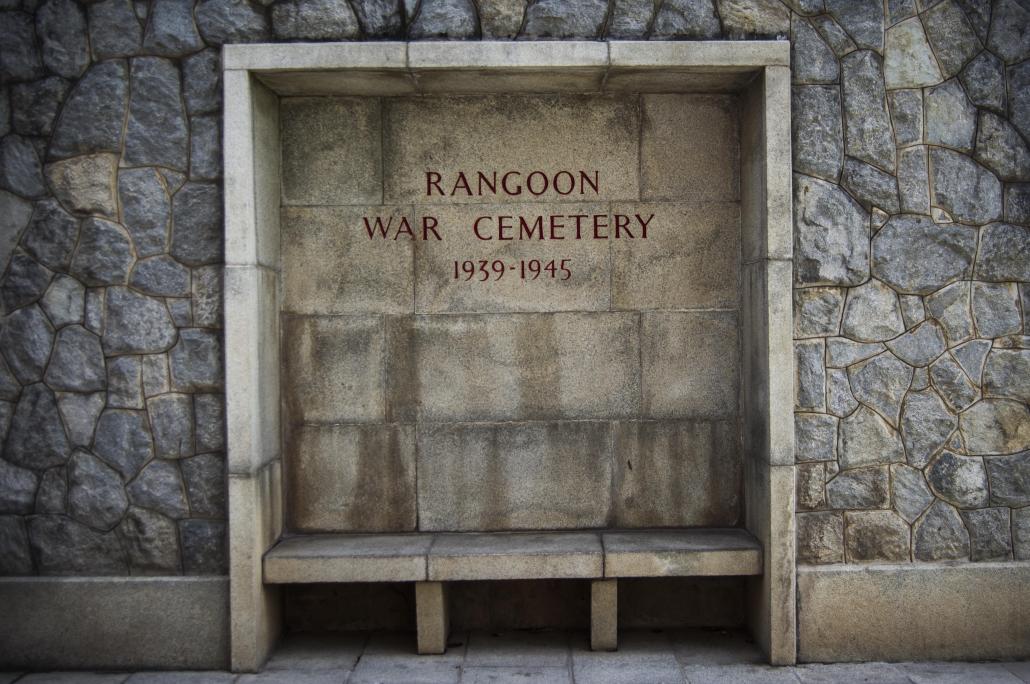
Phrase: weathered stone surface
(207, 296)
(1019, 97)
(80, 413)
(920, 346)
(64, 547)
(920, 379)
(95, 493)
(1007, 374)
(180, 310)
(869, 136)
(835, 36)
(831, 245)
(1008, 37)
(314, 20)
(203, 547)
(51, 235)
(908, 61)
(950, 117)
(963, 188)
(990, 536)
(690, 19)
(875, 536)
(809, 375)
(17, 489)
(196, 361)
(913, 180)
(953, 39)
(815, 437)
(817, 311)
(86, 184)
(557, 19)
(971, 357)
(979, 14)
(881, 383)
(114, 30)
(754, 18)
(872, 313)
(230, 21)
(171, 419)
(136, 323)
(146, 209)
(812, 59)
(197, 224)
(123, 441)
(940, 535)
(15, 214)
(959, 480)
(18, 52)
(124, 386)
(25, 341)
(1010, 479)
(1004, 253)
(202, 82)
(151, 542)
(1000, 148)
(210, 416)
(162, 276)
(926, 425)
(14, 547)
(996, 426)
(159, 487)
(906, 108)
(817, 131)
(205, 484)
(94, 113)
(914, 255)
(630, 19)
(21, 171)
(77, 364)
(839, 399)
(873, 188)
(909, 491)
(64, 301)
(384, 18)
(156, 132)
(34, 105)
(862, 19)
(950, 306)
(103, 255)
(996, 309)
(860, 488)
(155, 375)
(984, 82)
(842, 352)
(1020, 533)
(53, 492)
(170, 29)
(61, 30)
(820, 538)
(95, 310)
(952, 384)
(866, 439)
(25, 282)
(205, 148)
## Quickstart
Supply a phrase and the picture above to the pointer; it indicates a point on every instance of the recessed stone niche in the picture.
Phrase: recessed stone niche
(494, 286)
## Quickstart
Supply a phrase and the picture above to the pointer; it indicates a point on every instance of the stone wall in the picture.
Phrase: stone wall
(912, 262)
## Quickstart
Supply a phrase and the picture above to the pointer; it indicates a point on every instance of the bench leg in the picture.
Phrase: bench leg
(604, 615)
(431, 617)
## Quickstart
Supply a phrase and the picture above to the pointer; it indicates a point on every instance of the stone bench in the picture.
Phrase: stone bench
(430, 560)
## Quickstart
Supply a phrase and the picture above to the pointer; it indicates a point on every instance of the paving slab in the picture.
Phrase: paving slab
(1020, 668)
(295, 677)
(349, 558)
(181, 678)
(516, 675)
(8, 677)
(715, 647)
(74, 678)
(880, 673)
(375, 670)
(739, 674)
(624, 672)
(322, 653)
(518, 649)
(934, 672)
(520, 555)
(634, 646)
(402, 646)
(663, 553)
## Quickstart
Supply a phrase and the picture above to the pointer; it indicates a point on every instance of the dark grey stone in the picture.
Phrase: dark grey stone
(996, 309)
(210, 415)
(202, 82)
(839, 399)
(909, 491)
(951, 35)
(65, 301)
(971, 357)
(1019, 97)
(146, 209)
(1007, 374)
(876, 536)
(171, 418)
(1004, 253)
(53, 492)
(385, 19)
(80, 413)
(14, 547)
(205, 148)
(866, 439)
(920, 346)
(61, 30)
(984, 81)
(872, 313)
(811, 490)
(940, 535)
(161, 275)
(818, 134)
(25, 341)
(1009, 38)
(990, 534)
(871, 186)
(817, 311)
(315, 20)
(17, 488)
(1020, 533)
(10, 388)
(19, 54)
(691, 19)
(173, 179)
(95, 312)
(1010, 479)
(103, 255)
(94, 113)
(754, 19)
(906, 108)
(95, 493)
(51, 235)
(841, 352)
(812, 59)
(203, 547)
(979, 14)
(114, 30)
(171, 31)
(959, 480)
(123, 441)
(207, 296)
(912, 310)
(124, 382)
(21, 171)
(5, 111)
(952, 384)
(963, 188)
(77, 364)
(181, 312)
(831, 244)
(196, 361)
(950, 306)
(62, 546)
(835, 36)
(197, 224)
(820, 538)
(25, 282)
(913, 180)
(159, 487)
(151, 541)
(810, 375)
(1001, 148)
(899, 10)
(205, 484)
(915, 255)
(926, 425)
(155, 375)
(156, 133)
(881, 383)
(231, 21)
(34, 105)
(950, 116)
(868, 133)
(630, 19)
(860, 488)
(862, 19)
(815, 437)
(136, 323)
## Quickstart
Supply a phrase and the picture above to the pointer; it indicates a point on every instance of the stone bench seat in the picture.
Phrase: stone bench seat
(432, 559)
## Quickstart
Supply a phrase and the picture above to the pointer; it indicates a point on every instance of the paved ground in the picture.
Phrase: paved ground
(691, 657)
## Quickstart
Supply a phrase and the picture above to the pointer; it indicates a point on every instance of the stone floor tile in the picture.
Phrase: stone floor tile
(181, 678)
(634, 646)
(739, 674)
(516, 675)
(628, 672)
(714, 647)
(402, 646)
(959, 673)
(75, 678)
(518, 649)
(874, 673)
(8, 677)
(295, 677)
(317, 653)
(1019, 668)
(375, 670)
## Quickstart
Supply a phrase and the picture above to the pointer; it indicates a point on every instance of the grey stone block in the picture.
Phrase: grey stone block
(93, 115)
(26, 338)
(516, 556)
(681, 552)
(348, 558)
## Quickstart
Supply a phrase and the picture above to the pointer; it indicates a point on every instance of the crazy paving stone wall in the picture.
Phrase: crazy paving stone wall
(912, 201)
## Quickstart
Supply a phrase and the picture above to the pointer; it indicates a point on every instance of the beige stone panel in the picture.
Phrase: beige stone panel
(355, 82)
(353, 56)
(331, 150)
(677, 474)
(517, 555)
(924, 611)
(331, 266)
(312, 558)
(492, 367)
(432, 617)
(689, 364)
(637, 80)
(721, 57)
(690, 259)
(522, 133)
(351, 478)
(668, 553)
(689, 148)
(513, 476)
(333, 369)
(604, 615)
(587, 288)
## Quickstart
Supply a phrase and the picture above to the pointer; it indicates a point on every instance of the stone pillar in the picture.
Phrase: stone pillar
(432, 618)
(604, 615)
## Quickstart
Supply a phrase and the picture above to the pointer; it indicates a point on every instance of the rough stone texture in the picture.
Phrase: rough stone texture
(95, 493)
(984, 81)
(860, 488)
(926, 425)
(1007, 374)
(990, 534)
(86, 185)
(940, 535)
(952, 383)
(124, 389)
(457, 19)
(1008, 38)
(1004, 253)
(51, 235)
(906, 107)
(26, 282)
(196, 361)
(881, 383)
(93, 115)
(831, 246)
(21, 171)
(26, 338)
(809, 375)
(123, 441)
(996, 309)
(872, 313)
(197, 224)
(19, 54)
(996, 426)
(317, 20)
(959, 480)
(1001, 149)
(875, 536)
(17, 489)
(159, 487)
(77, 363)
(908, 60)
(754, 18)
(171, 31)
(1010, 479)
(817, 130)
(689, 19)
(230, 21)
(103, 255)
(817, 311)
(136, 323)
(867, 122)
(866, 439)
(151, 542)
(820, 538)
(114, 30)
(909, 492)
(61, 30)
(813, 59)
(385, 18)
(969, 192)
(156, 132)
(862, 19)
(65, 547)
(950, 307)
(950, 117)
(815, 437)
(34, 105)
(203, 547)
(921, 345)
(913, 254)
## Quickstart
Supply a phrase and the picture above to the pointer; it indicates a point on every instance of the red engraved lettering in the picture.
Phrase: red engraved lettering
(475, 228)
(643, 224)
(504, 183)
(622, 223)
(433, 181)
(379, 227)
(429, 224)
